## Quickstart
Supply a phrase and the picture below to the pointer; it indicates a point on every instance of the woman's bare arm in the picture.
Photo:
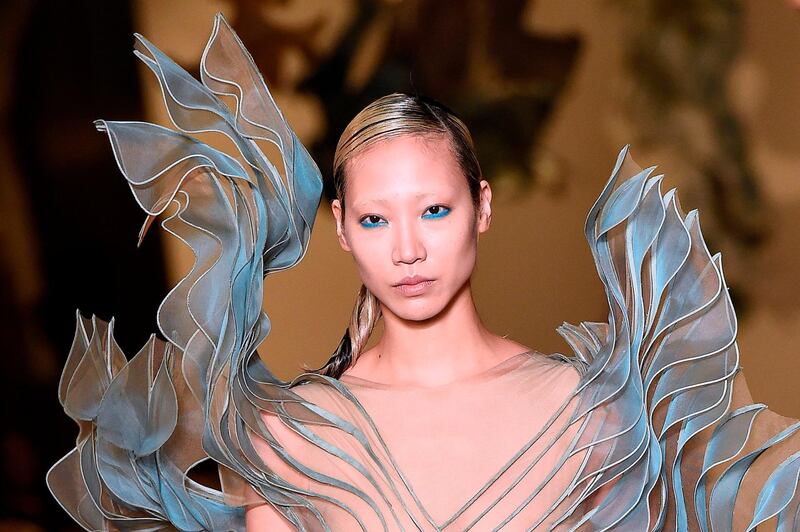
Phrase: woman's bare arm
(265, 517)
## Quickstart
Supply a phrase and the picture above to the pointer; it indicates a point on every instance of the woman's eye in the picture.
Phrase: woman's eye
(437, 211)
(371, 220)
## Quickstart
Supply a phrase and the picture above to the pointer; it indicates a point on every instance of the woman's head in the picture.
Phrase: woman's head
(410, 202)
(399, 114)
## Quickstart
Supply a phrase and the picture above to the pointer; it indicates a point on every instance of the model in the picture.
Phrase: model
(442, 425)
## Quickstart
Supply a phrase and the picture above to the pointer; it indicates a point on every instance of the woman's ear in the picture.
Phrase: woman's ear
(485, 212)
(336, 209)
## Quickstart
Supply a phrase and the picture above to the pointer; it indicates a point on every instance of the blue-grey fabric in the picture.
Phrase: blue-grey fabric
(662, 437)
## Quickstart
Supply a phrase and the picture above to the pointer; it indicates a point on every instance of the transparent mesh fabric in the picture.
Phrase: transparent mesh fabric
(647, 426)
(444, 457)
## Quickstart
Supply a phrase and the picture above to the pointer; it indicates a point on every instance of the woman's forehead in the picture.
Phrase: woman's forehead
(406, 159)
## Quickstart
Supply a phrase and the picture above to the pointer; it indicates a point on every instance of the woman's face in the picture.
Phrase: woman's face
(409, 213)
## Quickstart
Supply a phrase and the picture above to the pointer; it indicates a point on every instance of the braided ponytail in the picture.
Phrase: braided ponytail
(366, 313)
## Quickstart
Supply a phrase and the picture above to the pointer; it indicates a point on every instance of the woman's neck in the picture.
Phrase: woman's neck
(453, 344)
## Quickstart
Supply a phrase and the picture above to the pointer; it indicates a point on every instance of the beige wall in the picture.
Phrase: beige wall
(534, 268)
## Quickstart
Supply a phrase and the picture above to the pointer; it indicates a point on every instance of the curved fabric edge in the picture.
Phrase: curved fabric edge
(665, 430)
(666, 365)
(145, 423)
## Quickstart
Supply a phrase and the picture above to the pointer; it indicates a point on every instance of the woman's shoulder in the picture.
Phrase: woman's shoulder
(570, 365)
(556, 370)
(321, 391)
(311, 400)
(566, 370)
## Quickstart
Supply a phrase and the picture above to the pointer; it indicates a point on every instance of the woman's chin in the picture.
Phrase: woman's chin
(419, 307)
(417, 310)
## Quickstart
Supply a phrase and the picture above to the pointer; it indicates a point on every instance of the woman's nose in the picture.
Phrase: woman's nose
(408, 243)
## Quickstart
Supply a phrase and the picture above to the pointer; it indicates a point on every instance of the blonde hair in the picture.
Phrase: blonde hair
(391, 116)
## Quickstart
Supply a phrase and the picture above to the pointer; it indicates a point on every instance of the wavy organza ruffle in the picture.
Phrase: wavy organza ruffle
(672, 451)
(146, 423)
(655, 429)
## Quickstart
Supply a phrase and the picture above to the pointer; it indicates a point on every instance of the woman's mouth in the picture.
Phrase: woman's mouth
(412, 286)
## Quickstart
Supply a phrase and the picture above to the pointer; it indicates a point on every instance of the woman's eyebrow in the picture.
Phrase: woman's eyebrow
(387, 201)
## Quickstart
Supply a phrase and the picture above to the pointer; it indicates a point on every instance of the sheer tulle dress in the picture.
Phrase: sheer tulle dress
(648, 424)
(465, 453)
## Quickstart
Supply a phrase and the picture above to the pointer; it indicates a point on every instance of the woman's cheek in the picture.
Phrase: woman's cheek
(455, 247)
(465, 257)
(373, 264)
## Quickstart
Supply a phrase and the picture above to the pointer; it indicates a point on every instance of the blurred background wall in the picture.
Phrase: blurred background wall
(552, 89)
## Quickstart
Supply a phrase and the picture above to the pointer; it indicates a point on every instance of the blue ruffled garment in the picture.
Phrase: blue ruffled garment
(656, 429)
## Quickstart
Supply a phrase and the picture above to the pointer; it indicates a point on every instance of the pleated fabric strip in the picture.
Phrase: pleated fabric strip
(657, 431)
(666, 370)
(146, 422)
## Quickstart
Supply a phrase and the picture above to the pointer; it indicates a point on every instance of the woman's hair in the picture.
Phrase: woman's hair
(391, 116)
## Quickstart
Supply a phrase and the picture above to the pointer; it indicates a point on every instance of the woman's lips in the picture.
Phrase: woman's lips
(413, 287)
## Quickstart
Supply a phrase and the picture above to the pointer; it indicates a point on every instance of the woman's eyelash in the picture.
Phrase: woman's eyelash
(364, 221)
(441, 210)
